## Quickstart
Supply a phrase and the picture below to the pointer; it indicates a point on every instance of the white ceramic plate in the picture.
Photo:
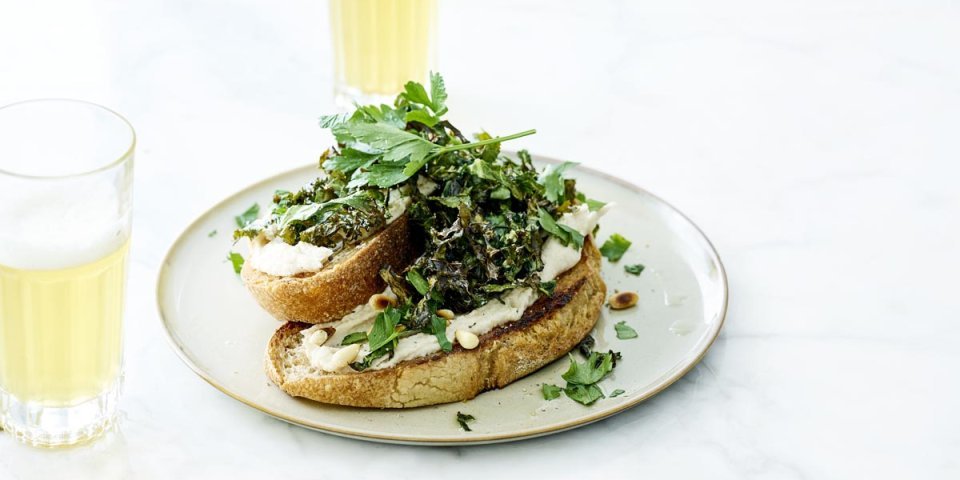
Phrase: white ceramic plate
(220, 332)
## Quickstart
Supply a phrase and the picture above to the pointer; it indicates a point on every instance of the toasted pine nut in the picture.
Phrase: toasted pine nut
(380, 301)
(344, 356)
(467, 339)
(318, 337)
(445, 313)
(623, 300)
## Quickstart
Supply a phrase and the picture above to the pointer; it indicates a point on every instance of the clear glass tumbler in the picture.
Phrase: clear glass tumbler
(379, 45)
(66, 171)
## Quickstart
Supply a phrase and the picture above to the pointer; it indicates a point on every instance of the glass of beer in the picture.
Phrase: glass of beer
(66, 169)
(379, 45)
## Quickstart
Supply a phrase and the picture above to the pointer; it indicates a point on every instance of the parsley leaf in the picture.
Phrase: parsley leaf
(331, 121)
(564, 233)
(634, 269)
(438, 94)
(248, 216)
(348, 161)
(212, 233)
(592, 205)
(382, 337)
(237, 260)
(367, 114)
(298, 213)
(384, 329)
(404, 153)
(394, 143)
(582, 378)
(624, 331)
(418, 282)
(415, 93)
(550, 392)
(355, 337)
(463, 419)
(386, 174)
(439, 326)
(597, 366)
(550, 225)
(421, 116)
(573, 235)
(614, 247)
(584, 394)
(617, 393)
(552, 180)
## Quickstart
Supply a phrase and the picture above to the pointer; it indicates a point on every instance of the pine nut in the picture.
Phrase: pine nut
(623, 300)
(380, 301)
(467, 339)
(345, 356)
(318, 337)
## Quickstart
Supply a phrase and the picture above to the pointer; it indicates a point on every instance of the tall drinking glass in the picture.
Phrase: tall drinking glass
(66, 169)
(379, 45)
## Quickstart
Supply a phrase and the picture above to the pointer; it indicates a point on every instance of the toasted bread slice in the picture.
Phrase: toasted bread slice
(348, 280)
(549, 328)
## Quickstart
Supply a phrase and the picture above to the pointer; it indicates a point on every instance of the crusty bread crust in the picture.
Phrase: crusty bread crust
(548, 329)
(349, 280)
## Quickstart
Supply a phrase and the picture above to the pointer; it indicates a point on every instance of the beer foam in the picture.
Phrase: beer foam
(48, 225)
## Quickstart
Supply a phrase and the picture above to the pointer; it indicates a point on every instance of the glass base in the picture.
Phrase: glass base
(346, 97)
(44, 426)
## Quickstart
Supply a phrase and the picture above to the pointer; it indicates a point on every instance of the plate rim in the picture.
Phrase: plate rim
(452, 441)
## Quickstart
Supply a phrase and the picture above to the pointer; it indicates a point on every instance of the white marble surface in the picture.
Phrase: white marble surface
(816, 144)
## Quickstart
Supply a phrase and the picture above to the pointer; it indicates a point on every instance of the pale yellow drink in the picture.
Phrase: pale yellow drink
(60, 330)
(381, 44)
(66, 171)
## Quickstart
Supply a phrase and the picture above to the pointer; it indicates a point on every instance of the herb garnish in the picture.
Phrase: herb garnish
(237, 260)
(355, 337)
(438, 326)
(564, 233)
(550, 392)
(553, 182)
(382, 337)
(463, 419)
(597, 366)
(617, 393)
(211, 234)
(418, 282)
(592, 205)
(634, 269)
(248, 216)
(584, 394)
(482, 223)
(582, 378)
(614, 247)
(624, 331)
